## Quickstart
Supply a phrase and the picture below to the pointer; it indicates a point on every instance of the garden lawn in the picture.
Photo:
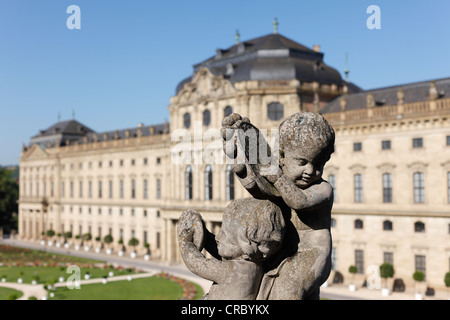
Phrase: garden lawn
(20, 256)
(151, 288)
(49, 275)
(6, 293)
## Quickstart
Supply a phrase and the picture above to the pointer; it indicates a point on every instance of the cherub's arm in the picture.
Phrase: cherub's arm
(210, 269)
(297, 198)
(211, 244)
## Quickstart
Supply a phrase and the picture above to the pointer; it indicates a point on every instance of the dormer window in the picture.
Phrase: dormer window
(275, 111)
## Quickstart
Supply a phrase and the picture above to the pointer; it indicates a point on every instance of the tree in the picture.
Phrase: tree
(386, 271)
(67, 235)
(9, 194)
(87, 237)
(108, 239)
(418, 276)
(50, 233)
(447, 280)
(353, 270)
(133, 242)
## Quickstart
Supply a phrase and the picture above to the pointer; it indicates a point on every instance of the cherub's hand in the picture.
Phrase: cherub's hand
(190, 228)
(229, 126)
(273, 176)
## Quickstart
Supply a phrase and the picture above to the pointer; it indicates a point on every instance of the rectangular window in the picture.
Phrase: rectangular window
(388, 257)
(90, 189)
(386, 145)
(158, 188)
(359, 261)
(133, 189)
(71, 189)
(81, 189)
(145, 189)
(110, 189)
(121, 188)
(145, 161)
(334, 260)
(358, 187)
(387, 188)
(158, 240)
(357, 146)
(417, 142)
(420, 263)
(63, 189)
(448, 187)
(332, 181)
(448, 140)
(99, 189)
(419, 187)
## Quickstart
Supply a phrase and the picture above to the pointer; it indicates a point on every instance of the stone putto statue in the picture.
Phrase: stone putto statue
(275, 245)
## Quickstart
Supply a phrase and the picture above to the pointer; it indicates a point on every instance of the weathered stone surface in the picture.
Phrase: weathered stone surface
(276, 245)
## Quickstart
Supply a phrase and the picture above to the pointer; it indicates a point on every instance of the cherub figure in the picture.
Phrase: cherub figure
(306, 142)
(250, 234)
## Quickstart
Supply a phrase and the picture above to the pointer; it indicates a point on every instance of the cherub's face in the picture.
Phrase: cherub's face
(227, 242)
(303, 167)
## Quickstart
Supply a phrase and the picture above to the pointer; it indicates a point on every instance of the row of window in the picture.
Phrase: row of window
(388, 257)
(110, 211)
(358, 187)
(90, 189)
(229, 180)
(417, 143)
(387, 225)
(275, 112)
(110, 163)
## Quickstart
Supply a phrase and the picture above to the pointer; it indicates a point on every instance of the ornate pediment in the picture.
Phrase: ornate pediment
(203, 87)
(36, 152)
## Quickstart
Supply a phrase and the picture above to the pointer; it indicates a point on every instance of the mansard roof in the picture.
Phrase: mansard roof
(270, 57)
(388, 96)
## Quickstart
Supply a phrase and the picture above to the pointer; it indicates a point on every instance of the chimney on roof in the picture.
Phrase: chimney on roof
(316, 47)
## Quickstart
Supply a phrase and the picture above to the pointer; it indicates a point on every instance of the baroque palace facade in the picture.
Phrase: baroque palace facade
(390, 170)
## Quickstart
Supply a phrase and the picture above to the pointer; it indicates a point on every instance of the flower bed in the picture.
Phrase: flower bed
(189, 290)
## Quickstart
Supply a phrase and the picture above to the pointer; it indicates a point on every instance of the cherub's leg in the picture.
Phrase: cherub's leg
(297, 279)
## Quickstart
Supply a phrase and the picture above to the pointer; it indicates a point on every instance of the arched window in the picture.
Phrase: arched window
(387, 225)
(187, 120)
(359, 224)
(227, 111)
(275, 111)
(208, 183)
(188, 183)
(229, 178)
(206, 117)
(419, 227)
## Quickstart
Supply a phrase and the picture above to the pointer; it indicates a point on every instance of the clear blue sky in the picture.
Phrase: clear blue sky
(122, 67)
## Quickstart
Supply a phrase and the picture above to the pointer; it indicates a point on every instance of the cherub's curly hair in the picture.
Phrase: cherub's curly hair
(260, 226)
(307, 128)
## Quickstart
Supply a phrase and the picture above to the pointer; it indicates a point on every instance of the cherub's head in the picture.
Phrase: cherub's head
(250, 232)
(306, 144)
